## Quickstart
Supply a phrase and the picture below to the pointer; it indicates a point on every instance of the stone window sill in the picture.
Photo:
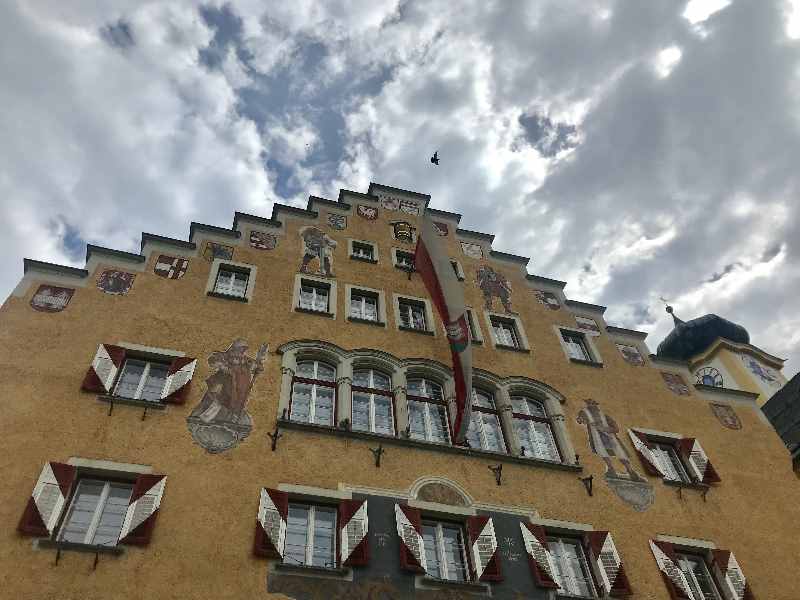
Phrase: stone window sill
(687, 484)
(588, 363)
(302, 569)
(467, 586)
(373, 261)
(132, 402)
(366, 321)
(512, 348)
(89, 548)
(319, 313)
(415, 330)
(428, 446)
(405, 268)
(227, 297)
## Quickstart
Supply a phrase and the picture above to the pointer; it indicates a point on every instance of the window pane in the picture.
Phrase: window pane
(301, 402)
(482, 399)
(572, 568)
(84, 505)
(305, 369)
(416, 420)
(360, 411)
(438, 419)
(323, 408)
(431, 553)
(492, 433)
(454, 553)
(321, 300)
(380, 381)
(307, 298)
(355, 307)
(129, 380)
(324, 530)
(384, 419)
(325, 372)
(474, 431)
(361, 378)
(296, 535)
(113, 515)
(156, 378)
(418, 315)
(371, 309)
(545, 441)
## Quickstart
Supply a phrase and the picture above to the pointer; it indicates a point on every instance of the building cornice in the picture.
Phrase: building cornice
(487, 237)
(29, 264)
(212, 229)
(151, 237)
(546, 281)
(640, 335)
(92, 250)
(596, 308)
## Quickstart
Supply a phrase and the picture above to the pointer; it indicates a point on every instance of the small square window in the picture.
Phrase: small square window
(473, 329)
(363, 251)
(571, 567)
(141, 380)
(310, 536)
(576, 345)
(505, 330)
(412, 314)
(363, 305)
(314, 296)
(669, 462)
(97, 513)
(445, 551)
(231, 282)
(698, 576)
(404, 260)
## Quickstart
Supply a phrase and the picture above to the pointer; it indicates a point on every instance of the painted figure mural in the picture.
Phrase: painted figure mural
(494, 284)
(261, 240)
(726, 415)
(117, 283)
(602, 430)
(220, 421)
(216, 250)
(317, 244)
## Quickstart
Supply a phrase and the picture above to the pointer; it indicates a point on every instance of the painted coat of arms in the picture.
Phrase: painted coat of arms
(115, 282)
(317, 245)
(51, 298)
(588, 325)
(261, 240)
(338, 222)
(549, 299)
(472, 250)
(368, 212)
(633, 489)
(631, 354)
(390, 202)
(494, 284)
(216, 250)
(171, 267)
(726, 415)
(409, 206)
(220, 421)
(441, 228)
(675, 383)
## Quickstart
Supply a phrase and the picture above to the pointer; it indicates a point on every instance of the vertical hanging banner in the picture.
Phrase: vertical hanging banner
(433, 264)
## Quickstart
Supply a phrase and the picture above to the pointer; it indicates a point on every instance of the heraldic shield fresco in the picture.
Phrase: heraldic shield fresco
(220, 421)
(631, 487)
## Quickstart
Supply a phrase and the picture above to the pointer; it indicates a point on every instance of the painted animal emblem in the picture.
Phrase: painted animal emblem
(471, 250)
(338, 222)
(726, 415)
(494, 284)
(549, 299)
(261, 240)
(631, 355)
(368, 212)
(170, 267)
(675, 383)
(441, 228)
(51, 298)
(115, 282)
(216, 250)
(409, 206)
(390, 202)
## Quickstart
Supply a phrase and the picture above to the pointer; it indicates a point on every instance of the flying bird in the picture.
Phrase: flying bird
(435, 158)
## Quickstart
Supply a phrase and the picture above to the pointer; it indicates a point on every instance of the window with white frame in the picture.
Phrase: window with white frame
(474, 332)
(669, 462)
(313, 393)
(505, 331)
(372, 405)
(404, 260)
(142, 380)
(310, 535)
(576, 345)
(457, 270)
(445, 552)
(570, 568)
(427, 411)
(96, 513)
(534, 428)
(412, 314)
(363, 305)
(314, 296)
(232, 281)
(484, 428)
(698, 575)
(363, 251)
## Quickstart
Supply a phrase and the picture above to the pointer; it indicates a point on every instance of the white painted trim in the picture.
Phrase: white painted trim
(442, 509)
(332, 295)
(567, 525)
(394, 256)
(523, 338)
(589, 339)
(107, 465)
(476, 321)
(656, 433)
(430, 322)
(429, 479)
(347, 575)
(690, 542)
(151, 350)
(307, 492)
(252, 271)
(459, 270)
(375, 251)
(348, 291)
(373, 491)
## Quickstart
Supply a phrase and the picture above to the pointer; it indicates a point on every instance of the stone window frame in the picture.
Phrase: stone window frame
(332, 295)
(252, 271)
(430, 322)
(520, 330)
(458, 269)
(472, 315)
(596, 358)
(350, 251)
(396, 263)
(381, 296)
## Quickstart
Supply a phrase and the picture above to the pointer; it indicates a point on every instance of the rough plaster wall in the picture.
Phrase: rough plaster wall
(201, 547)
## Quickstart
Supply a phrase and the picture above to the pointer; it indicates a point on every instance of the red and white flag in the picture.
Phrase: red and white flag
(433, 264)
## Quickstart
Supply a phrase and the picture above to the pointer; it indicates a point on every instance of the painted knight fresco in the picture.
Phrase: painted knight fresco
(494, 284)
(220, 421)
(316, 244)
(602, 431)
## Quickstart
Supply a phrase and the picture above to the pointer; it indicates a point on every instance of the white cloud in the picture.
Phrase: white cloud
(666, 60)
(700, 10)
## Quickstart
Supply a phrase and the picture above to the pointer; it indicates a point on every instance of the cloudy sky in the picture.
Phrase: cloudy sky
(636, 150)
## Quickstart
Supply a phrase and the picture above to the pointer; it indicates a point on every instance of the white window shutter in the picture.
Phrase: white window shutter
(353, 531)
(144, 504)
(539, 554)
(672, 572)
(731, 575)
(181, 372)
(608, 564)
(410, 537)
(272, 520)
(647, 455)
(483, 546)
(106, 364)
(49, 497)
(701, 468)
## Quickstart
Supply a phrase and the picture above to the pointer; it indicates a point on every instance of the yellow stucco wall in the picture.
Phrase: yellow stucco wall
(202, 542)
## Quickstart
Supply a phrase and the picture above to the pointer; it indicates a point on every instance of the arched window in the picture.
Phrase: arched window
(313, 393)
(427, 412)
(484, 427)
(373, 409)
(534, 428)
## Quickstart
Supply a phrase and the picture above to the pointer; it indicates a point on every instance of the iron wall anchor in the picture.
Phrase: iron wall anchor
(498, 472)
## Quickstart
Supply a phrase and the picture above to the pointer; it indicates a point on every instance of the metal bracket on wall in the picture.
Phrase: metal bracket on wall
(58, 557)
(587, 483)
(704, 493)
(578, 459)
(144, 414)
(274, 436)
(498, 472)
(377, 453)
(96, 558)
(110, 406)
(680, 492)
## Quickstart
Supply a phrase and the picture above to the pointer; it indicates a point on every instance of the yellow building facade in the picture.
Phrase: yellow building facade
(261, 412)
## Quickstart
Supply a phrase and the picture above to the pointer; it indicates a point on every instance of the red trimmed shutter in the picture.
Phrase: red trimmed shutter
(674, 578)
(273, 511)
(644, 449)
(412, 546)
(697, 460)
(353, 533)
(539, 557)
(137, 528)
(608, 564)
(483, 546)
(100, 377)
(48, 500)
(732, 580)
(180, 375)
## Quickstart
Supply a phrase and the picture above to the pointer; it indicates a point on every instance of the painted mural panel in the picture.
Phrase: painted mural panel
(441, 228)
(709, 376)
(588, 325)
(220, 421)
(631, 487)
(214, 250)
(726, 415)
(51, 298)
(472, 250)
(762, 373)
(389, 202)
(370, 213)
(631, 354)
(337, 221)
(409, 206)
(317, 246)
(548, 299)
(170, 267)
(675, 383)
(117, 283)
(494, 284)
(261, 240)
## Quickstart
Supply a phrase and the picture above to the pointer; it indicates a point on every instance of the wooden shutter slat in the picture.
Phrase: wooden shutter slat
(412, 546)
(673, 577)
(700, 466)
(48, 500)
(643, 449)
(483, 545)
(609, 564)
(107, 362)
(730, 574)
(181, 371)
(273, 511)
(137, 528)
(353, 533)
(539, 557)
